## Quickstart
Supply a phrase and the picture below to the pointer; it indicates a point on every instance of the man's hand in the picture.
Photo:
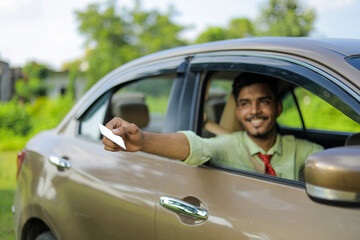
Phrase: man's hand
(131, 134)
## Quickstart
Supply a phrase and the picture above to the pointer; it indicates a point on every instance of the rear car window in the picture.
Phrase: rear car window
(354, 61)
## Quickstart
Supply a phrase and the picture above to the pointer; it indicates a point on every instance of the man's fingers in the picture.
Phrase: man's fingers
(116, 122)
(112, 149)
(109, 143)
(126, 129)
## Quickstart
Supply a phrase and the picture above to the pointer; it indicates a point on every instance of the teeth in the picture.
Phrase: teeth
(256, 120)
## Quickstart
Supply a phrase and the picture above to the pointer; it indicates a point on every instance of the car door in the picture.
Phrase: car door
(106, 195)
(218, 202)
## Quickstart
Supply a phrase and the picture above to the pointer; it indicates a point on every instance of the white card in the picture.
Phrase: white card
(110, 135)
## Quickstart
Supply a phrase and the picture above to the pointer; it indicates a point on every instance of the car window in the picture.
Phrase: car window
(290, 117)
(143, 102)
(317, 114)
(354, 61)
(320, 115)
(92, 117)
(216, 96)
(219, 91)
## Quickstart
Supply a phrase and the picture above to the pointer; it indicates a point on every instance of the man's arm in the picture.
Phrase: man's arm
(170, 145)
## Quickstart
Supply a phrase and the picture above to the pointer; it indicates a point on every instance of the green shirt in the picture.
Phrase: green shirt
(237, 150)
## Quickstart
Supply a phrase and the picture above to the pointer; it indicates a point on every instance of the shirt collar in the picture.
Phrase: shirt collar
(255, 149)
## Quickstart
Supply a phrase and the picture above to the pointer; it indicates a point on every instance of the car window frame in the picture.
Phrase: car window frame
(119, 78)
(275, 65)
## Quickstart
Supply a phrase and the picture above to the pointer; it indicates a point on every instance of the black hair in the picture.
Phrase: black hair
(246, 79)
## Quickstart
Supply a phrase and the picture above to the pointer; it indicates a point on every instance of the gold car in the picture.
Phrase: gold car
(69, 187)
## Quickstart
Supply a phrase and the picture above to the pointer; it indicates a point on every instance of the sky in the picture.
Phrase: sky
(46, 30)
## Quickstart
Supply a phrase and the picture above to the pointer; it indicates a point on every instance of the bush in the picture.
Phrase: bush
(14, 119)
(19, 122)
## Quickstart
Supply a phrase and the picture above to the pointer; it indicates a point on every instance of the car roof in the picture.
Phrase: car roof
(330, 52)
(300, 46)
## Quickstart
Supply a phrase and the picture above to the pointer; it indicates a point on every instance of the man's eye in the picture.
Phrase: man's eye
(265, 102)
(244, 104)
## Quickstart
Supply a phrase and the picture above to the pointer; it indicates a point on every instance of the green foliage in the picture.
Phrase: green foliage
(14, 119)
(277, 18)
(31, 85)
(157, 104)
(317, 114)
(238, 28)
(73, 69)
(19, 122)
(285, 18)
(211, 34)
(25, 91)
(115, 36)
(7, 193)
(35, 70)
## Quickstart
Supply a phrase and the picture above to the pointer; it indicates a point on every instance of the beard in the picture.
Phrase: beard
(258, 133)
(264, 135)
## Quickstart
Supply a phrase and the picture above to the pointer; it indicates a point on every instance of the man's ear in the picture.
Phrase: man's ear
(279, 108)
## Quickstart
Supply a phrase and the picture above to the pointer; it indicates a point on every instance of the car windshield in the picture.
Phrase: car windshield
(354, 61)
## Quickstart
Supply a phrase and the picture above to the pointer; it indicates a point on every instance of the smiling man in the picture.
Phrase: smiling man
(258, 148)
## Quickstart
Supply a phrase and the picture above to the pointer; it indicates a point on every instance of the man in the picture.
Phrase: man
(258, 148)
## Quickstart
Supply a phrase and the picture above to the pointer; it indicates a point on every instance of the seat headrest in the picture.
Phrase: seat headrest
(214, 105)
(132, 108)
(229, 121)
(353, 139)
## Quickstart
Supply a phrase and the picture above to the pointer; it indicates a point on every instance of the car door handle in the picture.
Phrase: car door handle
(60, 162)
(183, 207)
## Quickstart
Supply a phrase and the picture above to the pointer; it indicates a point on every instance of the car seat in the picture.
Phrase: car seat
(132, 108)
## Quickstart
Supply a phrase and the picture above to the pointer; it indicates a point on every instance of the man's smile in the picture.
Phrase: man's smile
(256, 121)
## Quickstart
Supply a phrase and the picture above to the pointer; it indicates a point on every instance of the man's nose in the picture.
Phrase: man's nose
(255, 108)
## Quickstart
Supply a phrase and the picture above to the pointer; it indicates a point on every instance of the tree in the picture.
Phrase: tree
(240, 28)
(73, 70)
(31, 85)
(277, 18)
(285, 18)
(237, 28)
(115, 36)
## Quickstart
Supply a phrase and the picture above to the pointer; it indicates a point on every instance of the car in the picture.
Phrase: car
(69, 187)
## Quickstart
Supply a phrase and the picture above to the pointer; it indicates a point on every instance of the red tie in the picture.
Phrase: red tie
(268, 169)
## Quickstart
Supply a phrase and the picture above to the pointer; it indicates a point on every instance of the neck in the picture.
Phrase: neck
(265, 142)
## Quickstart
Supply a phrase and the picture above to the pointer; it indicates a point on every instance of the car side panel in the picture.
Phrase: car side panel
(30, 182)
(242, 207)
(104, 195)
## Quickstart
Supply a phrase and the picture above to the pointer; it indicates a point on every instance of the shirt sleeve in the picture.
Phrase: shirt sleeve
(304, 149)
(202, 149)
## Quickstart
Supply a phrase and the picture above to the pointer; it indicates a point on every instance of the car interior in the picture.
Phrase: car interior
(132, 107)
(219, 116)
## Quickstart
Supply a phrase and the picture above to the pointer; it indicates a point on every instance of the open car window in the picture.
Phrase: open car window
(88, 127)
(306, 116)
(143, 102)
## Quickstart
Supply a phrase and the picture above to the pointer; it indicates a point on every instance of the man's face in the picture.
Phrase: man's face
(257, 110)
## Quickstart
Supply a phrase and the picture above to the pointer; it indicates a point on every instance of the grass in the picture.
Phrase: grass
(7, 193)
